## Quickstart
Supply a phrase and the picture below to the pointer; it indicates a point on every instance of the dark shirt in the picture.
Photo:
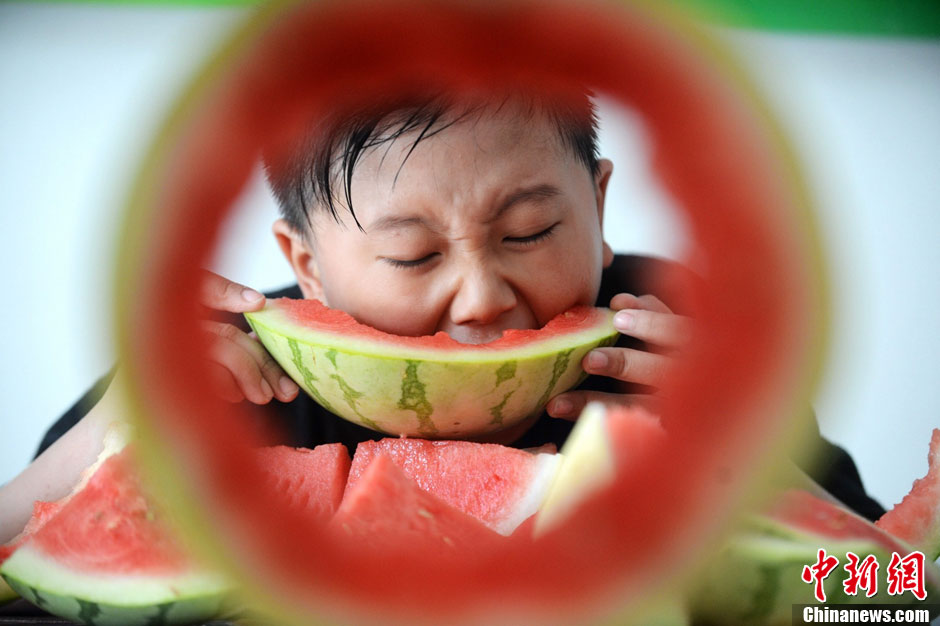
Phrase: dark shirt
(304, 423)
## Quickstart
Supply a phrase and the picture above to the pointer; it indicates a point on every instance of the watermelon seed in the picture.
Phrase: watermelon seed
(425, 513)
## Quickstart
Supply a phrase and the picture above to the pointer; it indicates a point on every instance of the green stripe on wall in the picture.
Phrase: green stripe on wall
(903, 18)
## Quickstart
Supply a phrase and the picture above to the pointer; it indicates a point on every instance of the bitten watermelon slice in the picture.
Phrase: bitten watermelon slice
(311, 481)
(386, 510)
(500, 486)
(428, 386)
(916, 519)
(105, 557)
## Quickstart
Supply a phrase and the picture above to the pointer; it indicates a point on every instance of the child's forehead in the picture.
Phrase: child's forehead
(510, 119)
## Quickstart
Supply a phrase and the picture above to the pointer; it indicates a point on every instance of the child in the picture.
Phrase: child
(422, 216)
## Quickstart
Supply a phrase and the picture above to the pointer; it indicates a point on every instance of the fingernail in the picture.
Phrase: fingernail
(250, 295)
(266, 388)
(288, 387)
(562, 406)
(597, 360)
(624, 320)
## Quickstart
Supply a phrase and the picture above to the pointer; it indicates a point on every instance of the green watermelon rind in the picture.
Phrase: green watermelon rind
(756, 578)
(7, 594)
(125, 600)
(429, 393)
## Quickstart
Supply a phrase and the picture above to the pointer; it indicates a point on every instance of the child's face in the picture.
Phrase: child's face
(490, 224)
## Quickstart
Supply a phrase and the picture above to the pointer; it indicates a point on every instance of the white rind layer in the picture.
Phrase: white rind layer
(121, 600)
(545, 467)
(587, 466)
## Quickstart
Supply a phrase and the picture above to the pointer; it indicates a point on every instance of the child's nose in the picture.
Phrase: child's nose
(481, 298)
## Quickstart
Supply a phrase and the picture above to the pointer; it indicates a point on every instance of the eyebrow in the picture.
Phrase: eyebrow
(535, 192)
(525, 194)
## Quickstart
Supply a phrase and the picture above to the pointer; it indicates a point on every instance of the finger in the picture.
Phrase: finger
(569, 405)
(243, 368)
(662, 329)
(646, 302)
(632, 366)
(222, 294)
(283, 387)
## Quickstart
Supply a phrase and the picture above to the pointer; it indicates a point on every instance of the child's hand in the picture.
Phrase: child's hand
(649, 320)
(240, 366)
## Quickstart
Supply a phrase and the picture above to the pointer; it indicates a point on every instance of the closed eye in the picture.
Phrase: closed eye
(534, 238)
(412, 263)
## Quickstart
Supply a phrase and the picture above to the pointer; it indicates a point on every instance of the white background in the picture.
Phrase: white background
(84, 86)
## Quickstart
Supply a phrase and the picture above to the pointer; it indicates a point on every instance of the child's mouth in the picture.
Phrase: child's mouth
(464, 334)
(516, 319)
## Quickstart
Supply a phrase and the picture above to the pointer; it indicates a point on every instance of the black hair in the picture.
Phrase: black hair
(327, 154)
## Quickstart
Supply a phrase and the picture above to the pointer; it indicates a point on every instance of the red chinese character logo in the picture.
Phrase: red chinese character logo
(862, 575)
(819, 571)
(907, 574)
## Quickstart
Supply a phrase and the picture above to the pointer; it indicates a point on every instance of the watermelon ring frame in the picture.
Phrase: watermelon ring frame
(764, 311)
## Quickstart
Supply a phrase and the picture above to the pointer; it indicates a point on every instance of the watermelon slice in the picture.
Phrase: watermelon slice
(311, 481)
(756, 578)
(105, 557)
(386, 510)
(428, 386)
(916, 519)
(500, 486)
(603, 441)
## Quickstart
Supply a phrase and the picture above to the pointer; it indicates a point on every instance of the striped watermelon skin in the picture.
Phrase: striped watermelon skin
(204, 600)
(431, 386)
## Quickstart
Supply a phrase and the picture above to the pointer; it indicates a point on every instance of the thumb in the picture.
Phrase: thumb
(222, 294)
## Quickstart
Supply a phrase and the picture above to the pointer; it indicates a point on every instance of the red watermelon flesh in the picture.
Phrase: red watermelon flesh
(42, 513)
(916, 519)
(806, 512)
(309, 480)
(500, 486)
(110, 527)
(387, 510)
(315, 315)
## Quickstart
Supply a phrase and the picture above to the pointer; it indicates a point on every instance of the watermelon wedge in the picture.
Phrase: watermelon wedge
(106, 557)
(428, 386)
(603, 441)
(500, 486)
(756, 578)
(916, 519)
(311, 481)
(386, 510)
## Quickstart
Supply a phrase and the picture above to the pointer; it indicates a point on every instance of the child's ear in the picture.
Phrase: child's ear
(302, 258)
(605, 168)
